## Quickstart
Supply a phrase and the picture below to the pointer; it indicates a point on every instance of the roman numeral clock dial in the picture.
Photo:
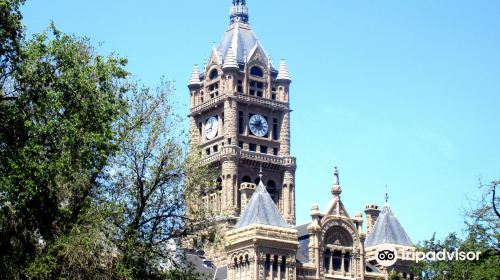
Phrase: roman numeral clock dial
(258, 125)
(211, 128)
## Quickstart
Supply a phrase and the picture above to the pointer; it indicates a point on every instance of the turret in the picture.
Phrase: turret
(372, 211)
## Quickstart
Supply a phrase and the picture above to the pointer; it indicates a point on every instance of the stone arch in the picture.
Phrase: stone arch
(257, 71)
(337, 235)
(218, 184)
(213, 74)
(246, 179)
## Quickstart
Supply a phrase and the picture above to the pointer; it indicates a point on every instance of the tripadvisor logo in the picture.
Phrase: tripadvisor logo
(387, 255)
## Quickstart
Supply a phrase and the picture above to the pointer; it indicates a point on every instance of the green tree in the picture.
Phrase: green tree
(56, 136)
(11, 39)
(93, 168)
(481, 235)
(149, 181)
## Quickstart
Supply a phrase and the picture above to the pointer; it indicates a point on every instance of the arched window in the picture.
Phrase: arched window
(337, 256)
(214, 74)
(219, 184)
(256, 71)
(246, 179)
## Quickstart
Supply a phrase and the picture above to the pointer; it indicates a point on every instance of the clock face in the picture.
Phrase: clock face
(258, 125)
(211, 128)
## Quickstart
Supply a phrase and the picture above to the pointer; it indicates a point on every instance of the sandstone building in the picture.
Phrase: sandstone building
(240, 123)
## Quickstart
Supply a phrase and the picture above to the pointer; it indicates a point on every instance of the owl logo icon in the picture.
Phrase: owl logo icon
(386, 255)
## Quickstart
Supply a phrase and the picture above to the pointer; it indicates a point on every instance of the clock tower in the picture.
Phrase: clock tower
(240, 122)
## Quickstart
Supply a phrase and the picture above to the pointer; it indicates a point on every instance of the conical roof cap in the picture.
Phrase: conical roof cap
(261, 210)
(230, 61)
(283, 72)
(195, 77)
(388, 230)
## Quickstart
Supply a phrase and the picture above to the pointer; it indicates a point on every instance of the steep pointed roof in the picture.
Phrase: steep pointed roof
(388, 230)
(283, 72)
(195, 77)
(240, 37)
(230, 61)
(261, 210)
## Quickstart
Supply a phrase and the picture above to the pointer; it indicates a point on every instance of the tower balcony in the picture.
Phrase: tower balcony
(250, 158)
(243, 98)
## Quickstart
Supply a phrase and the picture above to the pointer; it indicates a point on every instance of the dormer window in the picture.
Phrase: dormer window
(213, 74)
(257, 71)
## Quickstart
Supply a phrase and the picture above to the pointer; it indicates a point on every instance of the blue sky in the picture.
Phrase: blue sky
(403, 93)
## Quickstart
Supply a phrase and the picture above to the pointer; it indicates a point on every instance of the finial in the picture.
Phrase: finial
(239, 11)
(260, 172)
(386, 195)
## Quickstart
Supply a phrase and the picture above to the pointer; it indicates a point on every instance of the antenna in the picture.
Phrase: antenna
(386, 195)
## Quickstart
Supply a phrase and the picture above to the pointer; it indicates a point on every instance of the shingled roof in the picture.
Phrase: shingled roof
(387, 230)
(261, 210)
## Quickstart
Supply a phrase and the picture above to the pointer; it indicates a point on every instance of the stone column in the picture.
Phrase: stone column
(331, 271)
(231, 120)
(342, 267)
(279, 269)
(289, 196)
(285, 135)
(229, 187)
(193, 134)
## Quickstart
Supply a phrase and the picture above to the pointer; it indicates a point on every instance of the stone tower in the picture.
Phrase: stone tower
(372, 211)
(240, 121)
(262, 245)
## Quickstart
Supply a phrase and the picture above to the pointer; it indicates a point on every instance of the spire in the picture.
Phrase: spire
(387, 230)
(230, 61)
(386, 196)
(239, 11)
(195, 77)
(261, 210)
(283, 72)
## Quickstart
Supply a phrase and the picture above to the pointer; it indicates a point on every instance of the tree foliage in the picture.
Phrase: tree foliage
(93, 167)
(481, 235)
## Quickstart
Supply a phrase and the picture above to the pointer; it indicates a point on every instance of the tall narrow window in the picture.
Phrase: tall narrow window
(347, 262)
(337, 260)
(267, 264)
(241, 124)
(252, 147)
(275, 129)
(275, 263)
(263, 149)
(199, 131)
(283, 264)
